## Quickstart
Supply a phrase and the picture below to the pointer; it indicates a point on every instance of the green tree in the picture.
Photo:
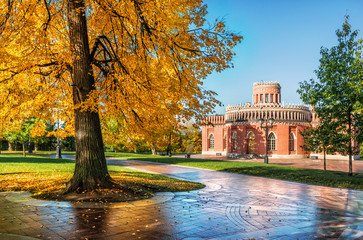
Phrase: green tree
(321, 138)
(338, 93)
(22, 134)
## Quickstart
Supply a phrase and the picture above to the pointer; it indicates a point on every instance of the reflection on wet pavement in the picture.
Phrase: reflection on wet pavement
(232, 206)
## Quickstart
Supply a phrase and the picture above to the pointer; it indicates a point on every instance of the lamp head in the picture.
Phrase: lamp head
(271, 121)
(261, 121)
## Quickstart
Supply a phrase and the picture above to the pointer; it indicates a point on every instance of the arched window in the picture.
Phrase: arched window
(291, 141)
(234, 140)
(225, 142)
(251, 143)
(211, 141)
(271, 142)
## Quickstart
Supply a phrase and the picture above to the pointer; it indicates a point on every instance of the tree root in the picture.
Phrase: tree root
(89, 184)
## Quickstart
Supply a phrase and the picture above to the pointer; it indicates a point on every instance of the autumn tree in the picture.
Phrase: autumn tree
(132, 59)
(38, 133)
(191, 138)
(338, 93)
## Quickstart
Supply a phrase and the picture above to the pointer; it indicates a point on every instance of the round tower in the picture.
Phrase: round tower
(266, 92)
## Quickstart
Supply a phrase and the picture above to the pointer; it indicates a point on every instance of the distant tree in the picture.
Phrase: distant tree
(21, 133)
(191, 138)
(321, 138)
(38, 133)
(338, 95)
(11, 137)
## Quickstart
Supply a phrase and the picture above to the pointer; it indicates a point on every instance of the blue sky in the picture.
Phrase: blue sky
(282, 41)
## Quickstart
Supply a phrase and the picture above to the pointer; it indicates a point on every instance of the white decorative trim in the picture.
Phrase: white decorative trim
(292, 134)
(249, 134)
(273, 134)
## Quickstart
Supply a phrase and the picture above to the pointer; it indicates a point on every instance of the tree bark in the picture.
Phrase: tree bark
(10, 147)
(350, 143)
(24, 153)
(35, 147)
(153, 150)
(91, 169)
(324, 160)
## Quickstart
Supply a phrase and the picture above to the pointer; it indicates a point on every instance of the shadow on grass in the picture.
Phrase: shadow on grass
(10, 158)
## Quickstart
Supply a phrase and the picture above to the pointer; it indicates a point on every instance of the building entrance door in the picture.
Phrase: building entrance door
(251, 143)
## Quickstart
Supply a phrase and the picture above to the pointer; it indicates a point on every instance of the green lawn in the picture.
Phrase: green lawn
(42, 176)
(312, 176)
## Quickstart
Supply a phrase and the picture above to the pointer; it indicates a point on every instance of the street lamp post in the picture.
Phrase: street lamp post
(266, 127)
(58, 149)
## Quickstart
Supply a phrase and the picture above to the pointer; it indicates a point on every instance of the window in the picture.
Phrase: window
(261, 97)
(211, 141)
(225, 142)
(251, 143)
(266, 97)
(291, 142)
(271, 142)
(272, 97)
(234, 140)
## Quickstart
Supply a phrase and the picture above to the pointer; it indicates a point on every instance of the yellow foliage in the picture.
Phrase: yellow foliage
(148, 58)
(38, 130)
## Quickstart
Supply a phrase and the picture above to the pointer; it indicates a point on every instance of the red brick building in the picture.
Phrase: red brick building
(238, 132)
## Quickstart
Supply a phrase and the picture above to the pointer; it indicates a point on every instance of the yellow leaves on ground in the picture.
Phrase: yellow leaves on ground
(44, 179)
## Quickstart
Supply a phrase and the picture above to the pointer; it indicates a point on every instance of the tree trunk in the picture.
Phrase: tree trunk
(24, 153)
(10, 147)
(168, 150)
(350, 143)
(91, 169)
(324, 160)
(35, 147)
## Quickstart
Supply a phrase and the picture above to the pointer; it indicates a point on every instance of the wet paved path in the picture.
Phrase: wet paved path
(232, 206)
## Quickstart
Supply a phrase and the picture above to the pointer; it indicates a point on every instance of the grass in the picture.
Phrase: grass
(311, 176)
(44, 176)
